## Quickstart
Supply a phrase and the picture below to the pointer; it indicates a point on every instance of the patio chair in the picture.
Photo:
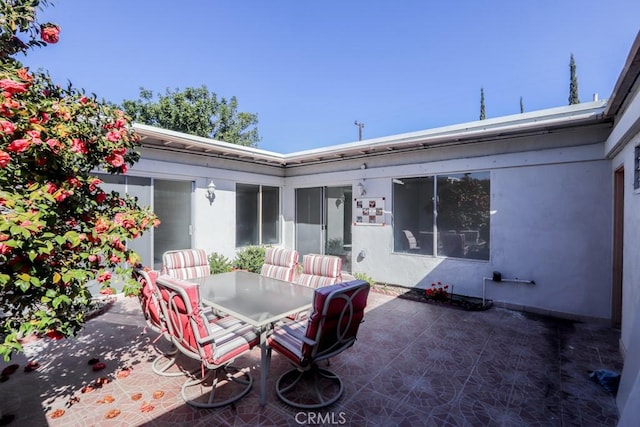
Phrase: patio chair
(330, 329)
(280, 263)
(320, 270)
(411, 241)
(185, 263)
(156, 321)
(215, 343)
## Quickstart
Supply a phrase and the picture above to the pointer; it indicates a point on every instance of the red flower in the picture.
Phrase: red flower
(93, 184)
(19, 145)
(77, 146)
(104, 277)
(50, 33)
(113, 136)
(115, 160)
(61, 195)
(51, 187)
(5, 158)
(11, 87)
(7, 127)
(54, 144)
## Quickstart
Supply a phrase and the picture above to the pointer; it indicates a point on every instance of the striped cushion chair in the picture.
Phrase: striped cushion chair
(215, 343)
(330, 329)
(280, 263)
(185, 263)
(320, 270)
(155, 317)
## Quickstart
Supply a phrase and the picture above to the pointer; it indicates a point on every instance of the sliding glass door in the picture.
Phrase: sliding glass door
(172, 205)
(323, 222)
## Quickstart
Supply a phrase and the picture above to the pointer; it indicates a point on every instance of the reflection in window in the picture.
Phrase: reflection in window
(257, 215)
(455, 223)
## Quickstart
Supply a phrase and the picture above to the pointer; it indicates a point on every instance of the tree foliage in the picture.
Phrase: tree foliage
(196, 111)
(58, 229)
(482, 109)
(573, 84)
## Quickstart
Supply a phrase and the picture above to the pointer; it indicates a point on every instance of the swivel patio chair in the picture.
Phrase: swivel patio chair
(279, 263)
(320, 270)
(215, 343)
(330, 329)
(185, 263)
(156, 321)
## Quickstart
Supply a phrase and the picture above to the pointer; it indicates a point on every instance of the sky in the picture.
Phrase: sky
(310, 70)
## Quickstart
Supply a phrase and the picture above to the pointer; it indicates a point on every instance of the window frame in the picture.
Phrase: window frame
(636, 168)
(434, 249)
(259, 227)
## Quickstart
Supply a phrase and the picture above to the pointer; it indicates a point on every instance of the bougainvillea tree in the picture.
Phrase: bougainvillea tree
(58, 229)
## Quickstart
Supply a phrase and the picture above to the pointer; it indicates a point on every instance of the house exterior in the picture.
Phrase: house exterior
(549, 199)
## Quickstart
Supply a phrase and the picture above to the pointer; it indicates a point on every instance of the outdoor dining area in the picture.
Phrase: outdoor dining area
(305, 345)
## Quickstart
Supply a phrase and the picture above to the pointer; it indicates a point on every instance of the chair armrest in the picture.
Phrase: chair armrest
(298, 335)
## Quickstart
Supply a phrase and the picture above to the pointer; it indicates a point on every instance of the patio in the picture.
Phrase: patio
(414, 364)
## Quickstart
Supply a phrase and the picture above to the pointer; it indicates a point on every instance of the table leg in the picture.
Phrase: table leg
(265, 360)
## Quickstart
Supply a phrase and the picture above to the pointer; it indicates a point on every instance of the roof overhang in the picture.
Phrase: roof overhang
(626, 80)
(537, 122)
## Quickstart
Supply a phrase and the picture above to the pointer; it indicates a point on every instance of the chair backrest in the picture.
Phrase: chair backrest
(191, 332)
(185, 263)
(280, 263)
(150, 299)
(412, 242)
(452, 244)
(320, 270)
(336, 315)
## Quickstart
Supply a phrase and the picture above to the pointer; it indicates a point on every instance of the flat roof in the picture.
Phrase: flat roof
(476, 131)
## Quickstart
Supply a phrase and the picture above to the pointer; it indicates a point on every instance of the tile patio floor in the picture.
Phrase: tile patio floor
(414, 364)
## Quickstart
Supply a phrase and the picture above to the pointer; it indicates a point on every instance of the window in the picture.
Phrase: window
(636, 168)
(444, 215)
(257, 215)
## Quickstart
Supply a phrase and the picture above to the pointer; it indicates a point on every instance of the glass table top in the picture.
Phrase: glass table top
(253, 298)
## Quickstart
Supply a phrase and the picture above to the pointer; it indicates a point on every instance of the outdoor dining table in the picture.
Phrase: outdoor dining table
(257, 300)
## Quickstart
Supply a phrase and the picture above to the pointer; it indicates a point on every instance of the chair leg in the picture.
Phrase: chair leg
(216, 384)
(311, 389)
(164, 362)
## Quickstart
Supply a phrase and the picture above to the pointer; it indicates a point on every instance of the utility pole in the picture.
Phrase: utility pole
(360, 126)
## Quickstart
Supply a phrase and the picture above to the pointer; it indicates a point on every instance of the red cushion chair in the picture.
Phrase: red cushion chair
(280, 263)
(185, 263)
(216, 343)
(320, 270)
(155, 317)
(330, 329)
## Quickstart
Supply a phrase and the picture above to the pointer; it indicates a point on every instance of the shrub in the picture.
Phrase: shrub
(363, 276)
(58, 229)
(219, 263)
(250, 258)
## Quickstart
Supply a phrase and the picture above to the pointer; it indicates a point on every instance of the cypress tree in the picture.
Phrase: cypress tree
(573, 85)
(521, 106)
(482, 110)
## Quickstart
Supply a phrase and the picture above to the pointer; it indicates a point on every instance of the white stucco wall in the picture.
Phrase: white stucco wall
(550, 223)
(623, 140)
(213, 224)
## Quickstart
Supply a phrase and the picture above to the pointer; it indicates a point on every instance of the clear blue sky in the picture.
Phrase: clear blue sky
(310, 69)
